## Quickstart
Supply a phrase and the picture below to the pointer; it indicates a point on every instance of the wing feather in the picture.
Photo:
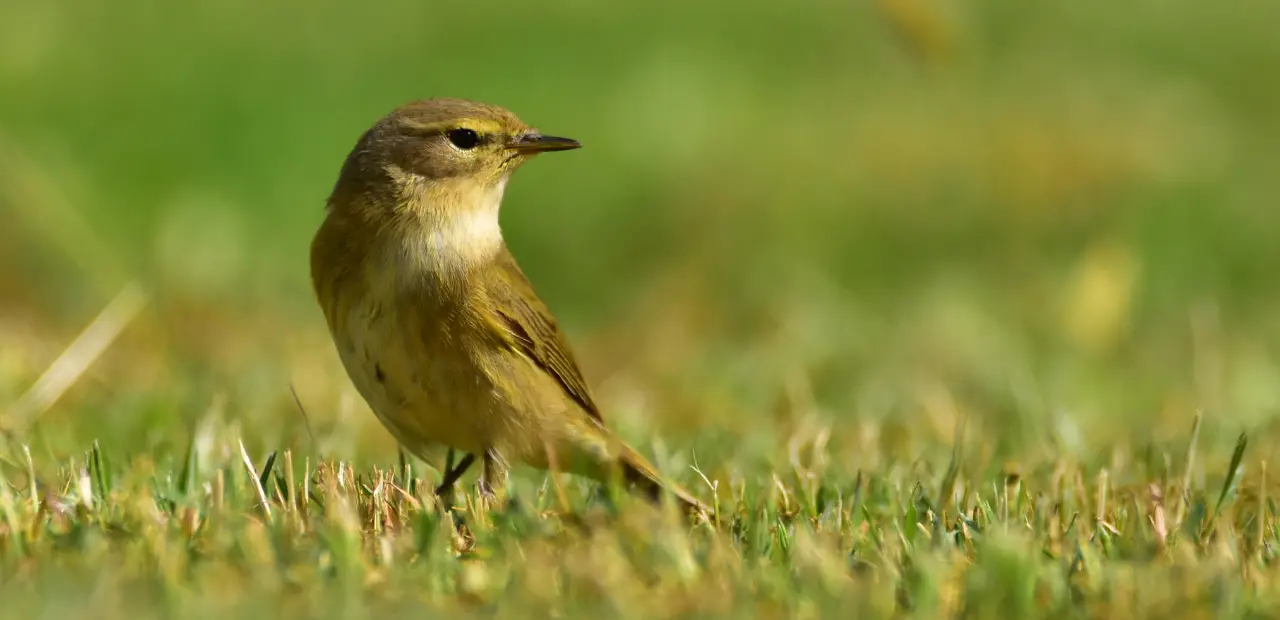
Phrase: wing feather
(521, 320)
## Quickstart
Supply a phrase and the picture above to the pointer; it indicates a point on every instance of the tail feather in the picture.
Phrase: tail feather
(598, 453)
(638, 472)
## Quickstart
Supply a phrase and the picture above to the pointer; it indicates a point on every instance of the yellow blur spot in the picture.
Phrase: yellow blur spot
(1099, 297)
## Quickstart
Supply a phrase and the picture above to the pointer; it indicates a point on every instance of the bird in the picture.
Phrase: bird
(435, 323)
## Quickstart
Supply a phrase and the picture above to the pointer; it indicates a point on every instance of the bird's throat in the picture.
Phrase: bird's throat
(455, 238)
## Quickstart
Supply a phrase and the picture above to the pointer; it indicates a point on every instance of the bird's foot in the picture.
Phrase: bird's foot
(493, 474)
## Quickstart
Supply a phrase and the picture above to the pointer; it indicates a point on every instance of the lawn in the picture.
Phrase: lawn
(948, 309)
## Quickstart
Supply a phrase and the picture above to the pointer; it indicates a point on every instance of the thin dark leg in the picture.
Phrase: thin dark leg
(493, 472)
(452, 473)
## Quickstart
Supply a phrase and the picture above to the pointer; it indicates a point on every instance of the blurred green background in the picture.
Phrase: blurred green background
(1057, 220)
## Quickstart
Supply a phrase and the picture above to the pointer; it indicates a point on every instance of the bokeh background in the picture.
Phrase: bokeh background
(850, 224)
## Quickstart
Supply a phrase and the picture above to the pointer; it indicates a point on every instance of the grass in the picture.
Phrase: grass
(219, 532)
(952, 309)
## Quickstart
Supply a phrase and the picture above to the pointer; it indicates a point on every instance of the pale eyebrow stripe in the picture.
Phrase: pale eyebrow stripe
(426, 127)
(479, 127)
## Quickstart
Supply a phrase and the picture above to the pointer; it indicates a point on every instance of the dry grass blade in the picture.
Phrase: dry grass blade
(77, 357)
(1184, 493)
(302, 411)
(1261, 518)
(257, 484)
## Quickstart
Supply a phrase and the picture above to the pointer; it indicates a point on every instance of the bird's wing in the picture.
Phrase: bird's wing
(525, 324)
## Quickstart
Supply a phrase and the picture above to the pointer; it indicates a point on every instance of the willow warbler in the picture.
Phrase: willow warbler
(435, 323)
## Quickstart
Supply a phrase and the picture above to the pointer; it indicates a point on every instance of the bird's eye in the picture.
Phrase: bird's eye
(464, 139)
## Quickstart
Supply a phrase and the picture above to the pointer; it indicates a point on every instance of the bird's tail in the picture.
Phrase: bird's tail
(637, 472)
(598, 453)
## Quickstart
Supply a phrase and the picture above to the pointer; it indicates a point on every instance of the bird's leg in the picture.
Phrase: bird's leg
(452, 473)
(492, 474)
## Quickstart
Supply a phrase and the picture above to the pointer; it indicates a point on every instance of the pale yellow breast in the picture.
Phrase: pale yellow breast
(429, 369)
(418, 387)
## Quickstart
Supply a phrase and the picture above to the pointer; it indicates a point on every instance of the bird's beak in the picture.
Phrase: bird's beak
(534, 142)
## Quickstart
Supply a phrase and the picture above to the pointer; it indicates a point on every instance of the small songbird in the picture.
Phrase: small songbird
(435, 323)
